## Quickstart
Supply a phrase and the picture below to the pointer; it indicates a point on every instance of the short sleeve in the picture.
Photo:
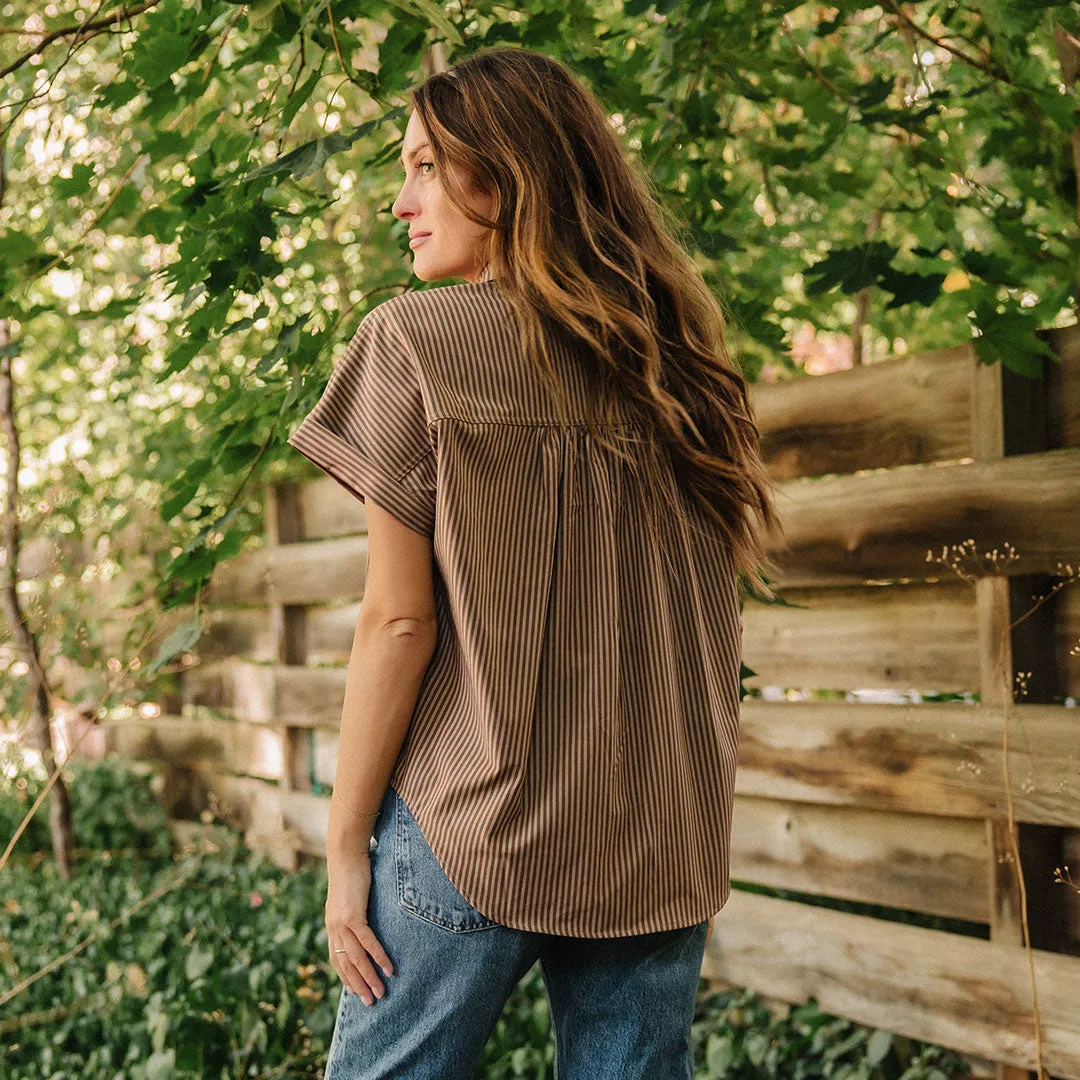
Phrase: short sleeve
(369, 429)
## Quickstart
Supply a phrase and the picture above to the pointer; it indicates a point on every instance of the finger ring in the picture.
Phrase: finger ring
(341, 950)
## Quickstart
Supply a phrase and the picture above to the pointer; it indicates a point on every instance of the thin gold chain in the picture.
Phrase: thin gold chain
(370, 813)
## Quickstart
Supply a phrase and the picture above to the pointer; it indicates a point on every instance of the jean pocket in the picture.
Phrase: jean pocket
(423, 887)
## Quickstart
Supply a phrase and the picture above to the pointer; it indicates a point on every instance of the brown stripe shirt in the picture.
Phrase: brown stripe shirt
(571, 758)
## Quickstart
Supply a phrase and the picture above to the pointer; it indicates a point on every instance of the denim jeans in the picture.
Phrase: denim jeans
(621, 1007)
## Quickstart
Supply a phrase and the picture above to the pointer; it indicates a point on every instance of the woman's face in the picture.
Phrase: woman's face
(451, 246)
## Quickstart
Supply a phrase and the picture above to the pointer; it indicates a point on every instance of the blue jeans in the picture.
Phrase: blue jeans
(621, 1007)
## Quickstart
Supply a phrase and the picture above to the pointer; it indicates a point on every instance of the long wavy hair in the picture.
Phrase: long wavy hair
(588, 255)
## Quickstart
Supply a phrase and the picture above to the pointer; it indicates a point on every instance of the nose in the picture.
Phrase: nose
(402, 208)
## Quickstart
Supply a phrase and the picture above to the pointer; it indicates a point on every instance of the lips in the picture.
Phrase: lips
(414, 240)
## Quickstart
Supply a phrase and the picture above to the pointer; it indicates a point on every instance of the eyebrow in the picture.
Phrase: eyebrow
(414, 150)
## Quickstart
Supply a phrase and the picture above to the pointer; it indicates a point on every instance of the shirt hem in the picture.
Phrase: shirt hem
(489, 912)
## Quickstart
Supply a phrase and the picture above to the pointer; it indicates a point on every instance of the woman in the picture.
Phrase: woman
(540, 728)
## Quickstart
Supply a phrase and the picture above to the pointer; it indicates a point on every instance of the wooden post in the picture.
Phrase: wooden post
(1009, 416)
(283, 526)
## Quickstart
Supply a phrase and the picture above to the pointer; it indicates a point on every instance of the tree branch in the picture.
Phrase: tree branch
(942, 44)
(88, 30)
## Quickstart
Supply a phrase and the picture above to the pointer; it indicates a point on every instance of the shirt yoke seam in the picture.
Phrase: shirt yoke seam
(520, 423)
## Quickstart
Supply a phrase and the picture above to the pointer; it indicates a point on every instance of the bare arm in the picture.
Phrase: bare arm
(386, 668)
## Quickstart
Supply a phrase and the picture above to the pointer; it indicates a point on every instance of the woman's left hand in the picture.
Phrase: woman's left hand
(347, 927)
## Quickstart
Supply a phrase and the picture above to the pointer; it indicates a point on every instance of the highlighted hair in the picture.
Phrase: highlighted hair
(588, 257)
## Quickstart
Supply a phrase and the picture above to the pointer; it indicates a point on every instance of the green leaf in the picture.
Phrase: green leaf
(160, 1065)
(306, 159)
(1010, 337)
(878, 1046)
(287, 343)
(198, 962)
(852, 268)
(157, 55)
(910, 288)
(433, 13)
(18, 246)
(180, 641)
(183, 495)
(1060, 109)
(299, 99)
(76, 184)
(179, 356)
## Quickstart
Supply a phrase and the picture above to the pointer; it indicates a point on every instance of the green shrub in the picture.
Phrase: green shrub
(112, 807)
(736, 1036)
(213, 964)
(223, 974)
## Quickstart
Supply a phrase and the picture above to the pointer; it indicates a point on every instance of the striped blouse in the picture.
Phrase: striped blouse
(571, 757)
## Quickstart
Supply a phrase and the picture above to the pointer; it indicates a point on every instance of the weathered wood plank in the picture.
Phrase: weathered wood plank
(839, 530)
(883, 524)
(254, 807)
(930, 864)
(844, 638)
(870, 526)
(321, 633)
(865, 637)
(327, 509)
(904, 411)
(248, 691)
(236, 745)
(899, 412)
(246, 633)
(938, 759)
(308, 573)
(948, 989)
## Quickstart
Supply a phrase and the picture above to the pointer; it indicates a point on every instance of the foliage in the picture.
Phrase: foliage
(112, 807)
(735, 1035)
(197, 212)
(225, 974)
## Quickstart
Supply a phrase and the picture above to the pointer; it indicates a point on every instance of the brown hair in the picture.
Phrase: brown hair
(587, 254)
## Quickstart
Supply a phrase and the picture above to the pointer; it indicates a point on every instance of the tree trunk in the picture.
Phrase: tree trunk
(22, 636)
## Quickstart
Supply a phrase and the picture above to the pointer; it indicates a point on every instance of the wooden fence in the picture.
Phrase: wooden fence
(896, 700)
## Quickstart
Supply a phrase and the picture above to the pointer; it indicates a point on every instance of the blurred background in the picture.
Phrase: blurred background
(194, 216)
